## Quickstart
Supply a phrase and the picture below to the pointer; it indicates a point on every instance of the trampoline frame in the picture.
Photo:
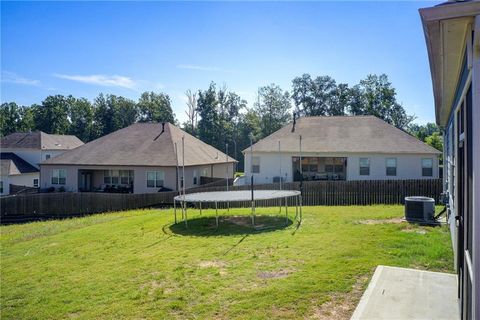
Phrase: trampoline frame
(296, 195)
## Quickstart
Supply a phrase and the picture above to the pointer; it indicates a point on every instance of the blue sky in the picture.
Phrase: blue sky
(125, 48)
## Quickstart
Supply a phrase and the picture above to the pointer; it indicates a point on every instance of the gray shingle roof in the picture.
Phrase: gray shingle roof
(11, 164)
(344, 134)
(40, 140)
(141, 144)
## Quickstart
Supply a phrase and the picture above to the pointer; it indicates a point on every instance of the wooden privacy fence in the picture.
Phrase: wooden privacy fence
(313, 193)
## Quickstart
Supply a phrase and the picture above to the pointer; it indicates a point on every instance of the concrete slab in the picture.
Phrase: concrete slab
(400, 293)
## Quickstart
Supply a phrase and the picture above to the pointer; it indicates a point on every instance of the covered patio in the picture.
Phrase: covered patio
(113, 181)
(319, 168)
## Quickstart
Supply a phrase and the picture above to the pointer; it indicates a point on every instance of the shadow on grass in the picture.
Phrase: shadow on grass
(230, 225)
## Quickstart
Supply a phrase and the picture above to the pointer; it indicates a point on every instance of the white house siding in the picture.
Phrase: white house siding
(220, 170)
(408, 166)
(25, 179)
(140, 175)
(270, 164)
(34, 157)
(6, 185)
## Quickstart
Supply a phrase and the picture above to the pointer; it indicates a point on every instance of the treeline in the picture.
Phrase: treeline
(78, 116)
(215, 115)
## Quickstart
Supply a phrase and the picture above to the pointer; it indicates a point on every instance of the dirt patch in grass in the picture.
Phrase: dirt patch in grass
(381, 221)
(216, 264)
(277, 274)
(341, 305)
(212, 264)
(419, 231)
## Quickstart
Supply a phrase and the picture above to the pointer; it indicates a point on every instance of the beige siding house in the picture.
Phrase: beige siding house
(22, 152)
(140, 159)
(340, 148)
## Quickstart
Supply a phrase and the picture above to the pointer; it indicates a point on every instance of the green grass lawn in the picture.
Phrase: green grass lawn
(135, 264)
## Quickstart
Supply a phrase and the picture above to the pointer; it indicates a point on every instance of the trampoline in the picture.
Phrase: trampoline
(216, 197)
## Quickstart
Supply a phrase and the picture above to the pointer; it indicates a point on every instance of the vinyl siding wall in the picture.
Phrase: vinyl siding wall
(140, 175)
(25, 179)
(408, 166)
(34, 157)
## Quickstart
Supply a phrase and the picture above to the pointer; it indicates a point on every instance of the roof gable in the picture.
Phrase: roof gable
(39, 140)
(142, 144)
(11, 164)
(343, 134)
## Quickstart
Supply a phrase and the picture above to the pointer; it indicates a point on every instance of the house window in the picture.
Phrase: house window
(205, 172)
(155, 179)
(391, 166)
(427, 167)
(47, 156)
(195, 179)
(59, 176)
(1, 186)
(35, 183)
(364, 166)
(255, 164)
(116, 177)
(107, 178)
(126, 177)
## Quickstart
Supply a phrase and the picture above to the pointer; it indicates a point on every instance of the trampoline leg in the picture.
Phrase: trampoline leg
(200, 208)
(253, 213)
(216, 213)
(300, 197)
(185, 214)
(280, 205)
(286, 212)
(175, 210)
(296, 208)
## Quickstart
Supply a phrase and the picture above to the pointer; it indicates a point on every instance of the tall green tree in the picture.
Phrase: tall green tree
(423, 131)
(339, 100)
(52, 115)
(104, 122)
(155, 107)
(220, 112)
(113, 113)
(435, 140)
(230, 105)
(320, 96)
(81, 115)
(248, 125)
(15, 118)
(273, 108)
(376, 96)
(125, 111)
(208, 125)
(302, 95)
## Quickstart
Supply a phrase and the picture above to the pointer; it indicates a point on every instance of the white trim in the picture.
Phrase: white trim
(476, 168)
(468, 261)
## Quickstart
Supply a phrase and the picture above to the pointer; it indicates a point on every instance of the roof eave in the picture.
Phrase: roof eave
(439, 56)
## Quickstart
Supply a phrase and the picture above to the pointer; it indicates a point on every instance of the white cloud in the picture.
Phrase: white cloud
(202, 68)
(101, 80)
(12, 77)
